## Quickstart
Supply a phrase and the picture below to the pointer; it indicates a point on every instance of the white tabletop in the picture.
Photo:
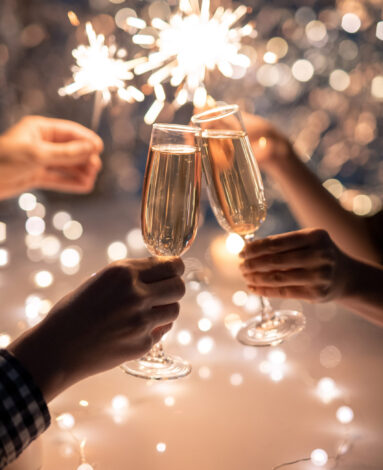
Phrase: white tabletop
(241, 408)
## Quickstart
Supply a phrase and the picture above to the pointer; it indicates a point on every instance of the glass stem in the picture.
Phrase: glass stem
(156, 354)
(266, 308)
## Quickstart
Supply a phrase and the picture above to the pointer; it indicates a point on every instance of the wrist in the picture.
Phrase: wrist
(42, 357)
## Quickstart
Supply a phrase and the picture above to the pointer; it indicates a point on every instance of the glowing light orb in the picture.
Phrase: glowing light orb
(344, 414)
(3, 232)
(204, 372)
(161, 447)
(351, 22)
(184, 337)
(72, 230)
(204, 324)
(117, 250)
(85, 466)
(27, 201)
(319, 457)
(120, 403)
(4, 257)
(205, 345)
(65, 421)
(239, 298)
(60, 219)
(70, 257)
(5, 339)
(43, 278)
(236, 379)
(35, 226)
(169, 401)
(234, 243)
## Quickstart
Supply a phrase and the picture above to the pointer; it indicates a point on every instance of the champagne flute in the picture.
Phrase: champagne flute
(169, 220)
(237, 198)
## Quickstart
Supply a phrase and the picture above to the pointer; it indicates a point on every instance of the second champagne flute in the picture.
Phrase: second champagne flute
(237, 198)
(169, 220)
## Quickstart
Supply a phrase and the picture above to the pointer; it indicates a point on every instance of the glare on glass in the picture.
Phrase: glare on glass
(169, 220)
(237, 198)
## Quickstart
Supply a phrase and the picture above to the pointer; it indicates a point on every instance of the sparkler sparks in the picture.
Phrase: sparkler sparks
(193, 43)
(101, 69)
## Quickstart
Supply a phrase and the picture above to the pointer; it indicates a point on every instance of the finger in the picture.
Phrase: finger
(167, 291)
(159, 332)
(296, 277)
(285, 292)
(154, 269)
(75, 152)
(303, 258)
(276, 244)
(61, 130)
(164, 314)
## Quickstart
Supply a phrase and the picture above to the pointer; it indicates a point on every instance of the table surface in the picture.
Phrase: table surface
(240, 408)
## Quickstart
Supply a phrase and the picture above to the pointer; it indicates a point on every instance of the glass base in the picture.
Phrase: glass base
(165, 368)
(279, 326)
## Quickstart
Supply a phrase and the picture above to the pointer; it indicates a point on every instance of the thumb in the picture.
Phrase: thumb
(70, 153)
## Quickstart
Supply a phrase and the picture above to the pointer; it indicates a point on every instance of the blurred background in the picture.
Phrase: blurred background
(315, 70)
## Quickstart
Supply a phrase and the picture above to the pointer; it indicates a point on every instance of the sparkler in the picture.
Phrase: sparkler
(193, 43)
(101, 69)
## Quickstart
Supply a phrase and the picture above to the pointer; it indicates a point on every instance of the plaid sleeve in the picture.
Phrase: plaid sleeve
(23, 412)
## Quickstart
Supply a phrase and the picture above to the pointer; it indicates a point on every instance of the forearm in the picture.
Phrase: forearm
(314, 206)
(364, 292)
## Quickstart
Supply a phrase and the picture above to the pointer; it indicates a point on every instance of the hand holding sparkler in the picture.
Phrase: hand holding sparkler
(47, 153)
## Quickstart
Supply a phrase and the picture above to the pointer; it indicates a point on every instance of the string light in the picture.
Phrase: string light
(65, 421)
(161, 447)
(319, 457)
(344, 414)
(4, 257)
(43, 278)
(27, 201)
(184, 337)
(5, 340)
(116, 251)
(3, 232)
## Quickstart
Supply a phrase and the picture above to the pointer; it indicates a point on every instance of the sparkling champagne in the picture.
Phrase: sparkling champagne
(234, 182)
(171, 195)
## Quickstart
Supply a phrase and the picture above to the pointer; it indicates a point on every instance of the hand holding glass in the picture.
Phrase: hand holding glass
(237, 198)
(169, 220)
